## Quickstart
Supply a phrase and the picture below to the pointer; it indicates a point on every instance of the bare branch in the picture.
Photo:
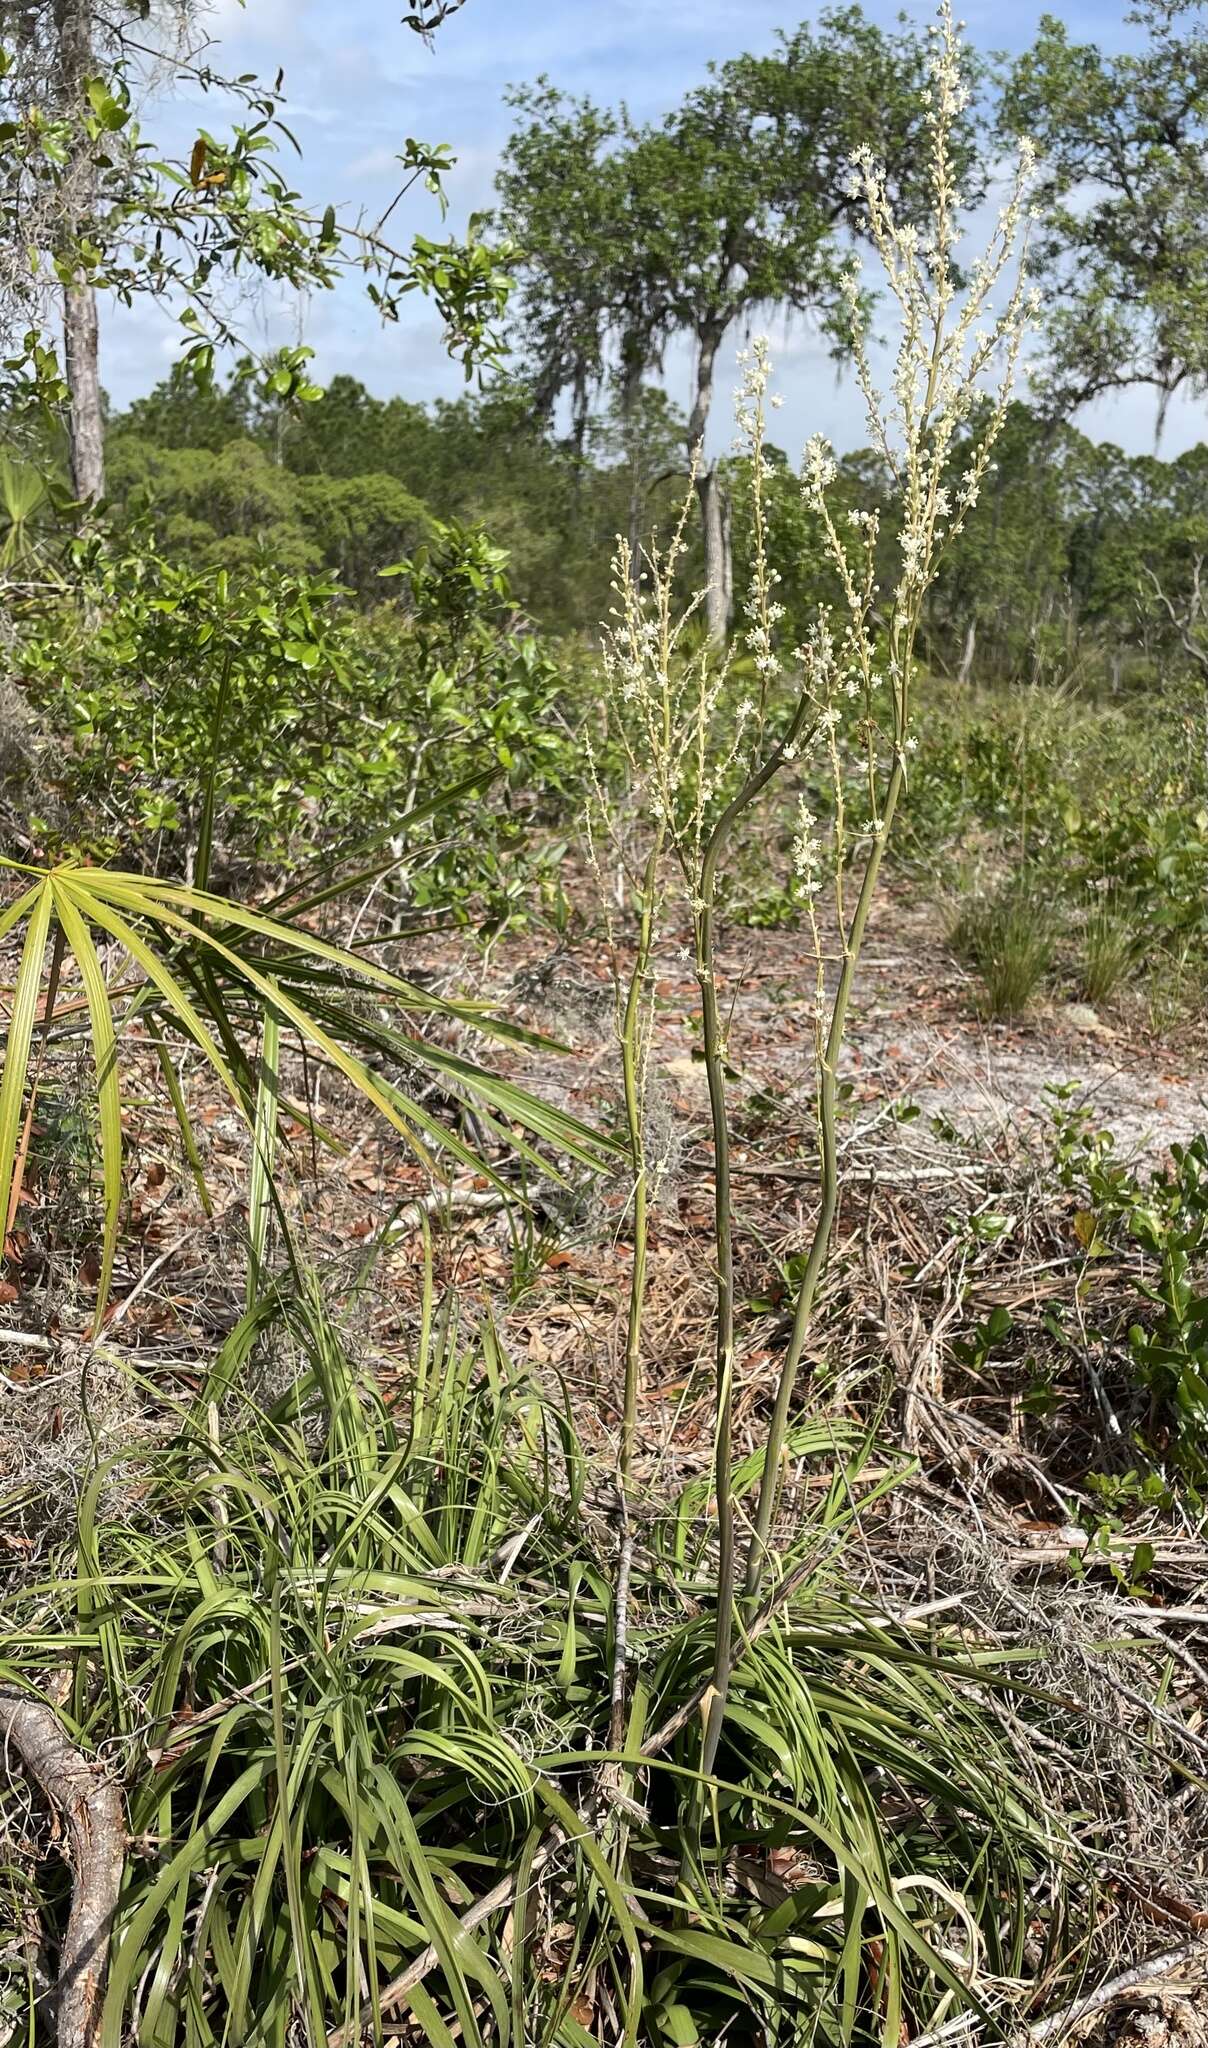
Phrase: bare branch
(92, 1807)
(1195, 650)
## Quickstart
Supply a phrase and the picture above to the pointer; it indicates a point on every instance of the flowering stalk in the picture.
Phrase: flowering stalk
(701, 871)
(941, 363)
(713, 1045)
(664, 707)
(639, 655)
(634, 1040)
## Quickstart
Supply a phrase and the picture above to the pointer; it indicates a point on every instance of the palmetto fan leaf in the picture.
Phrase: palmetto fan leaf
(207, 969)
(23, 495)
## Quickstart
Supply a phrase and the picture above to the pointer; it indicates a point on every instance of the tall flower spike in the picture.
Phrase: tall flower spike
(955, 354)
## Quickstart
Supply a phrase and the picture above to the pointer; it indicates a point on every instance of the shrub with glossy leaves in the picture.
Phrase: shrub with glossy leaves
(333, 723)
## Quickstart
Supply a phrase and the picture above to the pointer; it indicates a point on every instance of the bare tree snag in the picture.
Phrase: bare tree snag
(96, 1823)
(81, 364)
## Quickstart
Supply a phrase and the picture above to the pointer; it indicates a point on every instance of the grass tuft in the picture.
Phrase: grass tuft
(355, 1666)
(1109, 946)
(1009, 938)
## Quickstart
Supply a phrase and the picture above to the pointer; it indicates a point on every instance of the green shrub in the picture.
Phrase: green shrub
(1163, 1216)
(235, 508)
(1050, 769)
(333, 723)
(1155, 858)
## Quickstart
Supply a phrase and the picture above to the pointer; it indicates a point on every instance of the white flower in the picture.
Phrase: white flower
(806, 851)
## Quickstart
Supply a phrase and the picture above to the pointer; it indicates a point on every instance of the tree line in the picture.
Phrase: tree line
(1078, 561)
(611, 239)
(740, 202)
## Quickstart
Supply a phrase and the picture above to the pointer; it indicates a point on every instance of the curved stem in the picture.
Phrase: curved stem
(630, 1032)
(723, 1395)
(632, 1082)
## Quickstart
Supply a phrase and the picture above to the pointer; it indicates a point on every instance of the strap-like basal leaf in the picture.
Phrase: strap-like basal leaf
(169, 987)
(17, 1044)
(156, 899)
(104, 1047)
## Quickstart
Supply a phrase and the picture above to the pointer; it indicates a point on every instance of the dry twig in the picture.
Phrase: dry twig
(1144, 1979)
(92, 1806)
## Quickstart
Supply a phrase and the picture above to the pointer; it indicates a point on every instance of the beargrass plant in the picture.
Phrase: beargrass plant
(951, 343)
(352, 1663)
(701, 762)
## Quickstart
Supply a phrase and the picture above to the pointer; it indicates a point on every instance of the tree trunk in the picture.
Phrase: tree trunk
(631, 390)
(714, 510)
(719, 573)
(81, 350)
(966, 668)
(85, 425)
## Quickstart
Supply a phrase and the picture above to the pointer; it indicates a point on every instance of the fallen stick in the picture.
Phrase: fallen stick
(886, 1175)
(442, 1204)
(1143, 1978)
(92, 1807)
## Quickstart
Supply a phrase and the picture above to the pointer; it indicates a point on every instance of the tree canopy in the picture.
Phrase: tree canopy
(1122, 246)
(739, 201)
(90, 206)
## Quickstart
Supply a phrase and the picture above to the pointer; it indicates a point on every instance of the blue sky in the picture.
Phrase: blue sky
(358, 84)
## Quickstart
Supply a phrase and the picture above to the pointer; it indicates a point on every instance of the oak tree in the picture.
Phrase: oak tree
(1122, 245)
(739, 201)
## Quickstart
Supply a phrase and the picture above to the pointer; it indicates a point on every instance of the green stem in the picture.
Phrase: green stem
(205, 834)
(820, 1242)
(634, 1091)
(631, 1070)
(21, 1159)
(264, 1154)
(180, 1110)
(723, 1394)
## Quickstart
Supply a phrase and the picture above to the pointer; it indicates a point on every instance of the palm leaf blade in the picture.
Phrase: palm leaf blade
(17, 1044)
(104, 1046)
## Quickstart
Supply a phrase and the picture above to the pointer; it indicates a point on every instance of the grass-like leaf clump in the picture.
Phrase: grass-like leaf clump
(1009, 938)
(354, 1666)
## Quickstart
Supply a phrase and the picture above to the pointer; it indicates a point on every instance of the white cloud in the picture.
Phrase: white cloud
(374, 164)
